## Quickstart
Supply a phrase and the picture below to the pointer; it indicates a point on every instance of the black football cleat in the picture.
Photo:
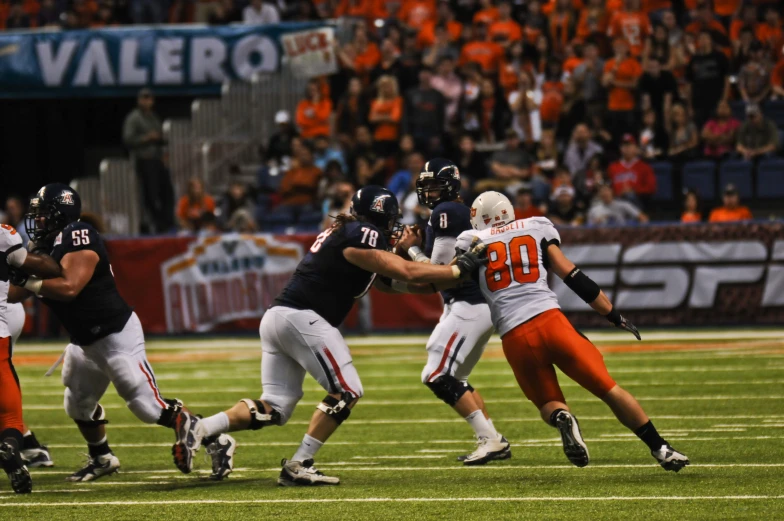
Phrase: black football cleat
(669, 458)
(11, 460)
(573, 445)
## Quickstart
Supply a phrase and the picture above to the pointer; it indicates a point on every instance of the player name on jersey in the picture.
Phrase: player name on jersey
(225, 278)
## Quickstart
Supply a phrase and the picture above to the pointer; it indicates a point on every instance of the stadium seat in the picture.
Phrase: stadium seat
(310, 221)
(276, 220)
(663, 171)
(737, 172)
(774, 110)
(770, 178)
(700, 176)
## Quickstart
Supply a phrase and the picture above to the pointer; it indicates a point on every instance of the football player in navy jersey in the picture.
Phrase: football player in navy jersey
(299, 332)
(107, 341)
(459, 339)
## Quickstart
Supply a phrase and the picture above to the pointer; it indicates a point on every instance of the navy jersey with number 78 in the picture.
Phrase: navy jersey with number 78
(324, 281)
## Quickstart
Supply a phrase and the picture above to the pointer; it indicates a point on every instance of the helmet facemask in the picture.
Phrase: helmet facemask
(43, 221)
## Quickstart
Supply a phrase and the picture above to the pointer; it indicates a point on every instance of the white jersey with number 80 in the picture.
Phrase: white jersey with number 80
(9, 240)
(514, 281)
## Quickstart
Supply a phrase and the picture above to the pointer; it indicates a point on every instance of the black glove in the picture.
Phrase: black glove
(469, 262)
(621, 323)
(17, 277)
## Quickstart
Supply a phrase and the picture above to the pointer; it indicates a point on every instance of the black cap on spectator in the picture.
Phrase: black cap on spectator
(730, 189)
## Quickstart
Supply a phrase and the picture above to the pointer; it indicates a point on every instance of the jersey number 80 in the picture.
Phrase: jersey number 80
(524, 267)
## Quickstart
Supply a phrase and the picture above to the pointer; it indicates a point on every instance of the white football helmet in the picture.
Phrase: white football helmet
(491, 209)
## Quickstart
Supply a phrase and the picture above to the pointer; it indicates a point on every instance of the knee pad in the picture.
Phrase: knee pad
(258, 418)
(336, 409)
(170, 413)
(83, 418)
(448, 388)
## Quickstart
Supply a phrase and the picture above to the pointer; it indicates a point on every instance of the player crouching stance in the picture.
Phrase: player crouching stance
(299, 332)
(107, 341)
(536, 336)
(459, 339)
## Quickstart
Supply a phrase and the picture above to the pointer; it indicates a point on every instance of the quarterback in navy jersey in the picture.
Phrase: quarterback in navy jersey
(459, 339)
(299, 332)
(107, 341)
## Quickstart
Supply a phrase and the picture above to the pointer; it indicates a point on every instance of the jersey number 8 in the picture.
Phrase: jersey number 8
(524, 266)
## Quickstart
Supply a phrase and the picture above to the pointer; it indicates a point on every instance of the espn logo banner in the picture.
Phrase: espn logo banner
(680, 275)
(224, 278)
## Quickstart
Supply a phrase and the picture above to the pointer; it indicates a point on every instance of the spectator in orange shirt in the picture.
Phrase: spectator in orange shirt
(747, 18)
(487, 13)
(445, 17)
(732, 209)
(299, 186)
(770, 32)
(367, 55)
(632, 25)
(524, 207)
(487, 54)
(414, 13)
(705, 21)
(386, 111)
(313, 112)
(562, 24)
(593, 20)
(777, 79)
(505, 30)
(621, 75)
(193, 205)
(691, 208)
(355, 8)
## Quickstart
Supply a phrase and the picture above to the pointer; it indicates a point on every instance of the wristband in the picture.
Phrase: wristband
(17, 256)
(415, 252)
(614, 316)
(456, 272)
(399, 286)
(34, 285)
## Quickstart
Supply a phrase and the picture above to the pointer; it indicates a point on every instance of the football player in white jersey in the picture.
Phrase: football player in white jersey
(537, 337)
(33, 453)
(13, 255)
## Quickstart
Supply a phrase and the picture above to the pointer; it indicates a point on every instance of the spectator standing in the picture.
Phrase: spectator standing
(389, 65)
(299, 186)
(658, 89)
(720, 133)
(621, 75)
(524, 104)
(524, 206)
(683, 136)
(691, 208)
(442, 47)
(731, 210)
(259, 12)
(573, 112)
(143, 137)
(386, 111)
(469, 162)
(632, 25)
(606, 210)
(313, 112)
(632, 178)
(588, 76)
(657, 47)
(581, 150)
(504, 30)
(487, 54)
(424, 111)
(708, 78)
(777, 79)
(654, 142)
(705, 21)
(450, 86)
(758, 136)
(352, 111)
(754, 77)
(563, 209)
(193, 205)
(279, 147)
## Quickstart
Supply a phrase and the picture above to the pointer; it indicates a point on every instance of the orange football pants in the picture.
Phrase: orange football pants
(547, 340)
(10, 392)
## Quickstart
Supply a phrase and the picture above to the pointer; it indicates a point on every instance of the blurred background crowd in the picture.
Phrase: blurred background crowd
(590, 112)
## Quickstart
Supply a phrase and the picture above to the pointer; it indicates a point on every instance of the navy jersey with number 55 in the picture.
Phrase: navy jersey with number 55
(450, 219)
(324, 280)
(98, 310)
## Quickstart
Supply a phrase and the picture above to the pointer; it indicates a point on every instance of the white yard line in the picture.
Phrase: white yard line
(397, 500)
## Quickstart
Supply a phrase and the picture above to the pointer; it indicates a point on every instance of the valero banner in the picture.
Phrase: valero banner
(192, 60)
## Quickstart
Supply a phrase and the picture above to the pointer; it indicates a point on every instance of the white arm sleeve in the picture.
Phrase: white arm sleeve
(17, 257)
(443, 250)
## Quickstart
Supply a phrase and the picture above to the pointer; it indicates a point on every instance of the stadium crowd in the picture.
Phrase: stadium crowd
(586, 111)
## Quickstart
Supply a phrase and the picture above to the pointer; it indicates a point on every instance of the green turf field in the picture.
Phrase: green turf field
(716, 396)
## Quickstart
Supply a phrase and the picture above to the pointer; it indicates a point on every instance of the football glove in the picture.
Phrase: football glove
(17, 277)
(622, 323)
(470, 261)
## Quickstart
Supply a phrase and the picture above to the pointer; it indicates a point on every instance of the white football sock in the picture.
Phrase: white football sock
(481, 426)
(490, 421)
(307, 449)
(215, 424)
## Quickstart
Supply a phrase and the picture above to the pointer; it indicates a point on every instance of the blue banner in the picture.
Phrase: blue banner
(185, 60)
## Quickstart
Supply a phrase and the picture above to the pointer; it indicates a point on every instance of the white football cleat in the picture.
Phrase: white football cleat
(95, 468)
(489, 449)
(303, 474)
(573, 444)
(222, 453)
(670, 459)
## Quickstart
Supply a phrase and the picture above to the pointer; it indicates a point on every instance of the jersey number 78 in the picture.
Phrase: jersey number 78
(524, 267)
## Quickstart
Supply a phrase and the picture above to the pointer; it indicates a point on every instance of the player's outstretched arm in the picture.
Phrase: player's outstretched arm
(587, 289)
(389, 265)
(38, 265)
(77, 270)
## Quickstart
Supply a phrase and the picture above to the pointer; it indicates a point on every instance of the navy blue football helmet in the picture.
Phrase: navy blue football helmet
(378, 206)
(439, 175)
(54, 207)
